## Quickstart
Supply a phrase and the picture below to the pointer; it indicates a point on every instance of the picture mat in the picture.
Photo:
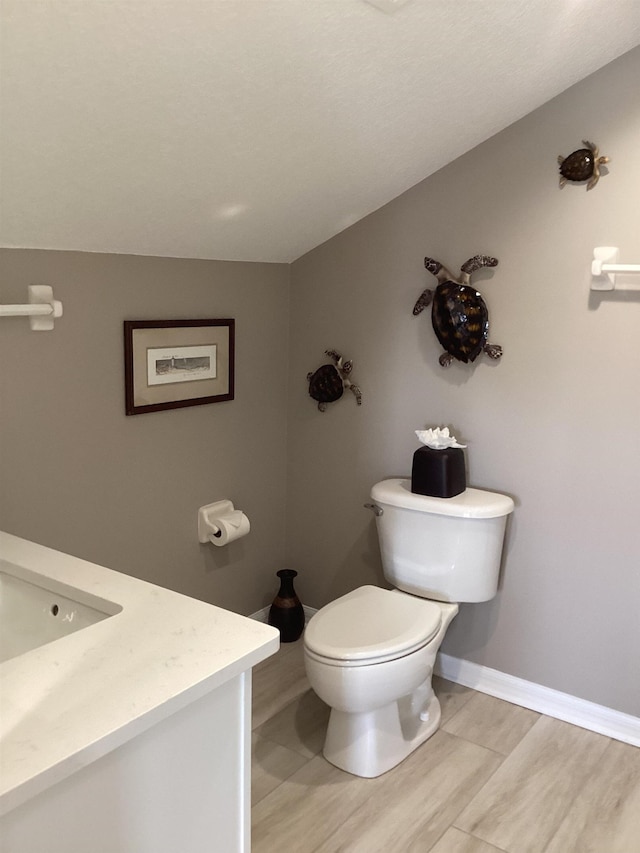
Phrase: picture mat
(155, 338)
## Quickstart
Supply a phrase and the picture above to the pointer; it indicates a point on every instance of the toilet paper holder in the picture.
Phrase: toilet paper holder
(208, 516)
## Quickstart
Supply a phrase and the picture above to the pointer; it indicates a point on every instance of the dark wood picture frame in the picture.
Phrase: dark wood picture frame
(170, 364)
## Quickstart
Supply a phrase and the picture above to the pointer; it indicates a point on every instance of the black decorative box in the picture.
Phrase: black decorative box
(438, 473)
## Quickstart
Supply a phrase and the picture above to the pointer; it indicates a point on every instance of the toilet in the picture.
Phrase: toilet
(370, 654)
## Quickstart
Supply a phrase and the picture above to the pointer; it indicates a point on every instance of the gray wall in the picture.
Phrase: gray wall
(80, 476)
(555, 424)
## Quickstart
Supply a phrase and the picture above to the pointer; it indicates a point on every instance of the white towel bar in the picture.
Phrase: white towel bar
(25, 310)
(604, 267)
(42, 309)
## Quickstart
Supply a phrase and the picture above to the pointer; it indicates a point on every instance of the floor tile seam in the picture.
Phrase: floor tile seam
(273, 712)
(455, 815)
(457, 711)
(295, 687)
(549, 844)
(611, 739)
(339, 829)
(502, 755)
(378, 784)
(284, 707)
(439, 838)
(451, 824)
(326, 841)
(521, 743)
(477, 838)
(614, 744)
(288, 747)
(283, 746)
(473, 693)
(552, 830)
(254, 803)
(572, 800)
(469, 803)
(258, 724)
(580, 767)
(356, 808)
(464, 832)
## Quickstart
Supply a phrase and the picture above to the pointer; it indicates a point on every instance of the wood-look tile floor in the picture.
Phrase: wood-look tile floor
(495, 778)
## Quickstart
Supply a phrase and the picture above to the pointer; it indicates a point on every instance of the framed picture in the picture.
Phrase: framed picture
(169, 364)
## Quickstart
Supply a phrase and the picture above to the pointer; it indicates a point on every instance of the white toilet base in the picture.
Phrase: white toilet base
(370, 743)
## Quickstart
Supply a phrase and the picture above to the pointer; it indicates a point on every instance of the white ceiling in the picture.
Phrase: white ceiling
(257, 129)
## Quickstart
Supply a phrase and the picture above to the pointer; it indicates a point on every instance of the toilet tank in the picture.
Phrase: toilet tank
(448, 549)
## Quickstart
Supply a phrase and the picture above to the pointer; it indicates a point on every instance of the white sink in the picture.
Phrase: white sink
(33, 614)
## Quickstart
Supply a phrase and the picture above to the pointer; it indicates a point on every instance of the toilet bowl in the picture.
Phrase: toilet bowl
(370, 654)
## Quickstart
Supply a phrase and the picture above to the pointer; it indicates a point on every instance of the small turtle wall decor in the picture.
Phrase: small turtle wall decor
(582, 165)
(459, 315)
(327, 384)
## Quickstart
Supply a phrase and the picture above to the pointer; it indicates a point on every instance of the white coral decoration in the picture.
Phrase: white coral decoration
(438, 438)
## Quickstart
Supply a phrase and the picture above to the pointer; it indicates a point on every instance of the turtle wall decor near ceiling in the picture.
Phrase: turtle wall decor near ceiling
(327, 383)
(582, 165)
(459, 315)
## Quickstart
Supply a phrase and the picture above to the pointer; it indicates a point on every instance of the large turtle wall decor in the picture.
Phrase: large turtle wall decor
(327, 383)
(459, 314)
(582, 165)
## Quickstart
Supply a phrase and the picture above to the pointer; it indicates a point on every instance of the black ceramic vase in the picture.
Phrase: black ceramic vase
(286, 613)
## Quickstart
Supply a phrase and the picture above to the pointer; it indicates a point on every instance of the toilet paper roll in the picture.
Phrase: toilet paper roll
(229, 528)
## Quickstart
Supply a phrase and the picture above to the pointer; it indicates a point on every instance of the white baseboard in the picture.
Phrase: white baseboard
(263, 615)
(544, 700)
(562, 706)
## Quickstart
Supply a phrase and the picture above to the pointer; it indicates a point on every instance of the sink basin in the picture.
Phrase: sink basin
(35, 610)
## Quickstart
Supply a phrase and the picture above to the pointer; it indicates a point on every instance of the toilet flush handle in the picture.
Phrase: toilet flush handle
(377, 510)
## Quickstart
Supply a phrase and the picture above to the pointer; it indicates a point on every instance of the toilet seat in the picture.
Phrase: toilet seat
(371, 625)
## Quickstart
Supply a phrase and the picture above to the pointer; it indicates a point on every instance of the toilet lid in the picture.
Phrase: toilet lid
(371, 623)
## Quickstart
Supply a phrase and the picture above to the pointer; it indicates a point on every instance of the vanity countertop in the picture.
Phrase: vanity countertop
(65, 704)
